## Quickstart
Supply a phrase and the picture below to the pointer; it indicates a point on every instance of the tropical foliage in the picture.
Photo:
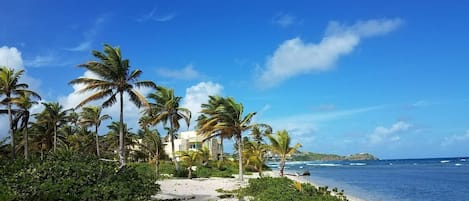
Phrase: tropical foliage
(225, 117)
(281, 146)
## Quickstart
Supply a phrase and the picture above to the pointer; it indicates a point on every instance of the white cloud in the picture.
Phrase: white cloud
(284, 20)
(383, 134)
(294, 57)
(456, 139)
(198, 94)
(11, 57)
(186, 73)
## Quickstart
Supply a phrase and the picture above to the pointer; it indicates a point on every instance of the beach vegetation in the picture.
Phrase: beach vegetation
(284, 189)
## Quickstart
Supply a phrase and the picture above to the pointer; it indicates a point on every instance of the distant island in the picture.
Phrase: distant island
(310, 156)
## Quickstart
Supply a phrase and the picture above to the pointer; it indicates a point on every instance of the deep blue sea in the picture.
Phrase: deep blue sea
(436, 179)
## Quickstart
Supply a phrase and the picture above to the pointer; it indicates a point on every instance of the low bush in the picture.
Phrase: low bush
(283, 189)
(74, 177)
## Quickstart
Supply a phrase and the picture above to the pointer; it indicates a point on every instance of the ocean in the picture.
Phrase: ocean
(435, 179)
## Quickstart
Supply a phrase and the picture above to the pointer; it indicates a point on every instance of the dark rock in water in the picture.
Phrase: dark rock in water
(306, 173)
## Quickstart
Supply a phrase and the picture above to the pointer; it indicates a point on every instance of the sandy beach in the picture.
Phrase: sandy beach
(203, 189)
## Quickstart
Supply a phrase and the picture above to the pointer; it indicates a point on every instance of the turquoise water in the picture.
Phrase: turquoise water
(437, 179)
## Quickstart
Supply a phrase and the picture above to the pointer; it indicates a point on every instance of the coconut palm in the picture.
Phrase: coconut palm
(259, 131)
(54, 115)
(281, 146)
(10, 87)
(226, 118)
(24, 103)
(114, 79)
(164, 109)
(111, 138)
(91, 115)
(190, 157)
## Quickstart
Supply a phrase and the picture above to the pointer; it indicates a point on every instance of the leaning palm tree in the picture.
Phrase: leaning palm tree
(55, 115)
(164, 109)
(9, 87)
(114, 79)
(24, 103)
(227, 119)
(281, 146)
(91, 115)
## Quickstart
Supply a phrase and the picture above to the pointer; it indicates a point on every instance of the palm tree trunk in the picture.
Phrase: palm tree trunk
(12, 136)
(221, 149)
(282, 166)
(55, 137)
(157, 164)
(121, 132)
(97, 141)
(240, 158)
(171, 135)
(26, 147)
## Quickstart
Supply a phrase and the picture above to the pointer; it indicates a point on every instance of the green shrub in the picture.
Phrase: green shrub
(74, 177)
(283, 189)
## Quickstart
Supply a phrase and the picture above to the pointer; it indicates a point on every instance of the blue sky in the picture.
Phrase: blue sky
(389, 78)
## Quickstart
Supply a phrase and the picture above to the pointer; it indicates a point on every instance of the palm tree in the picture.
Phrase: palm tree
(114, 79)
(281, 146)
(55, 115)
(112, 137)
(166, 109)
(153, 145)
(10, 86)
(255, 154)
(258, 131)
(91, 115)
(204, 123)
(190, 157)
(24, 103)
(226, 118)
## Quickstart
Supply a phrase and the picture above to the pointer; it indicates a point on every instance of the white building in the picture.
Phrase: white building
(189, 140)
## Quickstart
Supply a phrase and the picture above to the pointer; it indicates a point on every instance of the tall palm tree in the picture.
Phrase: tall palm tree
(91, 115)
(165, 108)
(9, 87)
(281, 146)
(114, 79)
(55, 115)
(227, 119)
(24, 103)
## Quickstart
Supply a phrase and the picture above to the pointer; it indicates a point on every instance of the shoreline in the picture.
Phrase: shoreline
(202, 189)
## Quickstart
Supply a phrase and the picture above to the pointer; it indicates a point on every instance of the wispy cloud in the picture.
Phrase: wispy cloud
(186, 73)
(303, 126)
(153, 16)
(383, 134)
(89, 35)
(48, 60)
(284, 20)
(456, 139)
(294, 57)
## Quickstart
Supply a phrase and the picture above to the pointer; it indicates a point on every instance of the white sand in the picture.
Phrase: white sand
(203, 189)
